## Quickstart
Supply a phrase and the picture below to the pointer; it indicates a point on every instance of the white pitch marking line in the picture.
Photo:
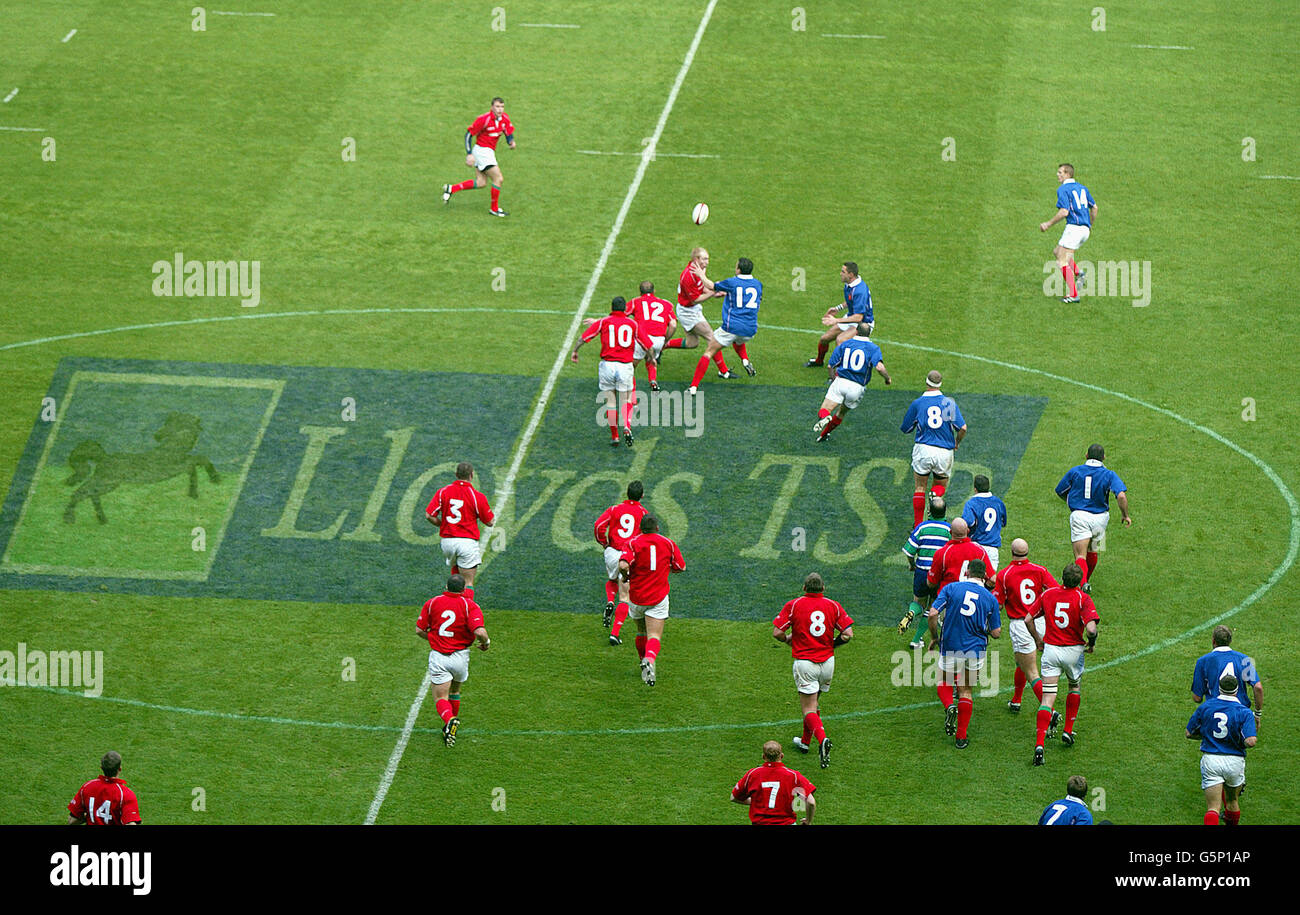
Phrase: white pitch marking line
(600, 152)
(237, 13)
(68, 37)
(25, 129)
(11, 94)
(834, 35)
(506, 489)
(1279, 178)
(547, 25)
(1163, 47)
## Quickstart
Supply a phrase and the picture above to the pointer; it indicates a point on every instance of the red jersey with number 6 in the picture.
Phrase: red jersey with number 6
(1068, 611)
(450, 620)
(458, 507)
(1019, 586)
(619, 335)
(771, 789)
(653, 314)
(105, 801)
(813, 619)
(650, 557)
(619, 524)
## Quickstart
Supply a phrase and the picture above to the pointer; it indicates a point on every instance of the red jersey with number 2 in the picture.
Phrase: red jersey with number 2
(450, 620)
(619, 523)
(650, 557)
(1068, 611)
(814, 620)
(459, 506)
(619, 335)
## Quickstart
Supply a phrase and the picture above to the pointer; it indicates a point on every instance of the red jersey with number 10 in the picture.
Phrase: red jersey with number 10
(619, 524)
(105, 801)
(450, 620)
(813, 619)
(619, 335)
(653, 314)
(650, 557)
(1019, 586)
(1068, 611)
(459, 506)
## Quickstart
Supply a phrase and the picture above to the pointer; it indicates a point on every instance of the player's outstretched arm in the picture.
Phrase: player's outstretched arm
(1060, 214)
(1122, 499)
(883, 373)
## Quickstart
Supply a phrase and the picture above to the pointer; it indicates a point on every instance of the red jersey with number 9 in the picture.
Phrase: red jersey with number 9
(1068, 611)
(619, 335)
(814, 619)
(650, 557)
(105, 801)
(450, 620)
(1019, 586)
(619, 524)
(459, 507)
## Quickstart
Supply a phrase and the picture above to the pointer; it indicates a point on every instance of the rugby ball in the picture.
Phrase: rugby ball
(700, 214)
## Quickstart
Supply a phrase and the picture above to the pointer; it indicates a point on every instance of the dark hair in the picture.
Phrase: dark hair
(938, 507)
(464, 470)
(1228, 684)
(1069, 169)
(976, 569)
(814, 583)
(852, 267)
(1076, 786)
(1072, 576)
(618, 303)
(111, 764)
(456, 584)
(1222, 635)
(635, 490)
(746, 266)
(647, 287)
(498, 99)
(1096, 453)
(981, 483)
(649, 524)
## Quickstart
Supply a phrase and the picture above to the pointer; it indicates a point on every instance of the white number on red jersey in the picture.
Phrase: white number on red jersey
(1027, 595)
(626, 524)
(453, 510)
(651, 311)
(620, 335)
(771, 798)
(448, 617)
(105, 811)
(652, 557)
(817, 623)
(1062, 615)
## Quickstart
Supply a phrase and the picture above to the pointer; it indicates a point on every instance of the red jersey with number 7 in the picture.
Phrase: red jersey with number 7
(1019, 586)
(1068, 611)
(458, 506)
(771, 789)
(450, 620)
(105, 801)
(653, 314)
(650, 557)
(619, 524)
(619, 335)
(813, 619)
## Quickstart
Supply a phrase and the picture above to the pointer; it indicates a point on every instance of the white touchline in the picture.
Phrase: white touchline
(25, 129)
(11, 95)
(1164, 47)
(547, 25)
(831, 35)
(69, 35)
(598, 152)
(506, 489)
(236, 13)
(1279, 178)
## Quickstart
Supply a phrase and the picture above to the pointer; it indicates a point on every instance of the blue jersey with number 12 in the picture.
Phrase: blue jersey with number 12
(740, 307)
(854, 359)
(934, 417)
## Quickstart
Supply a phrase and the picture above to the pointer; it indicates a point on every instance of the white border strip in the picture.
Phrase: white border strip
(25, 129)
(599, 152)
(11, 94)
(68, 37)
(1163, 47)
(547, 25)
(833, 35)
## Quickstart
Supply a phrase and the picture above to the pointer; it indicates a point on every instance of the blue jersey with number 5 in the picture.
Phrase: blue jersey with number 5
(854, 359)
(933, 417)
(970, 613)
(740, 307)
(1075, 198)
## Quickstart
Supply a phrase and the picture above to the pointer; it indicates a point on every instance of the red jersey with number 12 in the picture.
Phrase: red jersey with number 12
(1068, 611)
(619, 524)
(619, 335)
(650, 557)
(450, 620)
(813, 619)
(652, 314)
(459, 506)
(1019, 586)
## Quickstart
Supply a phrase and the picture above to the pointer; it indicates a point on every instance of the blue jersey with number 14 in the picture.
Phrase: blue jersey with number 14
(740, 307)
(854, 359)
(933, 417)
(1075, 198)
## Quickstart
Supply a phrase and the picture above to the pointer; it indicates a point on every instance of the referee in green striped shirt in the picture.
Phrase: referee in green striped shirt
(920, 548)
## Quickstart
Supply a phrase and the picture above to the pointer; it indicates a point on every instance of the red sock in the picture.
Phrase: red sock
(1021, 680)
(444, 711)
(945, 694)
(1211, 818)
(937, 490)
(674, 343)
(1233, 817)
(455, 706)
(964, 709)
(613, 430)
(627, 411)
(918, 508)
(651, 649)
(822, 414)
(1074, 268)
(611, 590)
(821, 351)
(1069, 278)
(620, 617)
(1037, 687)
(740, 348)
(807, 729)
(1091, 559)
(496, 197)
(463, 186)
(1083, 567)
(1071, 711)
(651, 370)
(700, 368)
(1044, 722)
(719, 361)
(835, 421)
(813, 722)
(640, 646)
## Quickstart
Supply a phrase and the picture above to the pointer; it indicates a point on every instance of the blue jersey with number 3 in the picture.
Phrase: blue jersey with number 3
(1076, 198)
(854, 359)
(740, 307)
(1224, 725)
(933, 417)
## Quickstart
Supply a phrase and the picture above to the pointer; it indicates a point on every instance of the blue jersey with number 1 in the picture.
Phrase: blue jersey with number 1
(933, 417)
(854, 359)
(740, 307)
(1088, 487)
(1075, 198)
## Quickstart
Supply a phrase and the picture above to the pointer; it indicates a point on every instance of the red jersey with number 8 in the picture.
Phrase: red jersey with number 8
(1068, 611)
(619, 335)
(814, 620)
(650, 557)
(450, 620)
(459, 506)
(619, 524)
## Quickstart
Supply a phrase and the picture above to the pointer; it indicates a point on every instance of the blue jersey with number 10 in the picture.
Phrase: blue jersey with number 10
(933, 417)
(740, 307)
(854, 359)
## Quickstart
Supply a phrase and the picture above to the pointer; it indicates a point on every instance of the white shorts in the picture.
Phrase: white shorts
(614, 376)
(992, 553)
(843, 391)
(813, 676)
(1222, 769)
(1089, 526)
(612, 555)
(443, 668)
(1074, 236)
(462, 552)
(1063, 659)
(656, 347)
(689, 315)
(484, 158)
(959, 661)
(1021, 641)
(658, 612)
(726, 338)
(927, 459)
(853, 327)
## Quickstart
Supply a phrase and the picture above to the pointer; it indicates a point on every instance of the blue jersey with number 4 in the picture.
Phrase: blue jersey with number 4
(934, 417)
(1224, 660)
(854, 359)
(1068, 811)
(1075, 198)
(740, 307)
(1224, 725)
(1088, 487)
(970, 613)
(985, 514)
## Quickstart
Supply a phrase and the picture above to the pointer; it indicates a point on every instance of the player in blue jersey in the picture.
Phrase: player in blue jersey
(939, 429)
(1071, 809)
(1086, 490)
(855, 310)
(743, 295)
(850, 371)
(970, 618)
(1222, 660)
(986, 515)
(1226, 729)
(1075, 205)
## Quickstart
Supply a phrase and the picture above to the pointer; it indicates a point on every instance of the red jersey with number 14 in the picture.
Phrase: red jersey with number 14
(488, 128)
(1019, 586)
(650, 557)
(450, 620)
(771, 789)
(1068, 611)
(619, 335)
(458, 507)
(813, 619)
(619, 524)
(653, 314)
(105, 801)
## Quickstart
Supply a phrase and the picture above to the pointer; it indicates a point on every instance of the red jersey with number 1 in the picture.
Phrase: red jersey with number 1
(458, 507)
(771, 789)
(619, 335)
(650, 557)
(813, 619)
(1019, 586)
(450, 620)
(653, 314)
(619, 524)
(105, 801)
(1068, 611)
(488, 128)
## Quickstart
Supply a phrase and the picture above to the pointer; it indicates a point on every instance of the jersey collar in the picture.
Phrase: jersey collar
(1093, 464)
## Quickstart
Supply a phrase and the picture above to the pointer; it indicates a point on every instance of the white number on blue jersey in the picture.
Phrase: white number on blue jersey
(934, 417)
(968, 604)
(1060, 809)
(1087, 487)
(1228, 670)
(1221, 731)
(1080, 198)
(740, 297)
(856, 360)
(990, 518)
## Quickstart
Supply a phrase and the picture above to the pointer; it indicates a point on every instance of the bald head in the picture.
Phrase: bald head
(960, 528)
(864, 330)
(938, 507)
(699, 254)
(772, 751)
(1019, 548)
(934, 379)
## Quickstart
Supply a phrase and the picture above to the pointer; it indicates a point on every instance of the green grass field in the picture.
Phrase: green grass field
(259, 652)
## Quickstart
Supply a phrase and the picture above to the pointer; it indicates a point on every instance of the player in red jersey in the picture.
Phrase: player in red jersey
(657, 318)
(694, 288)
(769, 790)
(950, 560)
(614, 528)
(105, 800)
(1018, 588)
(451, 622)
(813, 626)
(619, 337)
(645, 565)
(481, 153)
(457, 509)
(1071, 617)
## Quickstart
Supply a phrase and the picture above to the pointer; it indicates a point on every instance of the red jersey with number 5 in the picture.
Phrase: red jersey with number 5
(814, 620)
(619, 335)
(619, 524)
(1019, 586)
(650, 557)
(652, 314)
(105, 801)
(771, 789)
(450, 620)
(1068, 611)
(458, 507)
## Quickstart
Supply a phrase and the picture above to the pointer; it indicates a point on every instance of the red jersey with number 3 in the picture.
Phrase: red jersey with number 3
(450, 620)
(650, 557)
(105, 801)
(771, 789)
(813, 619)
(488, 128)
(459, 506)
(619, 524)
(652, 314)
(1019, 586)
(689, 287)
(619, 335)
(1068, 611)
(950, 561)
